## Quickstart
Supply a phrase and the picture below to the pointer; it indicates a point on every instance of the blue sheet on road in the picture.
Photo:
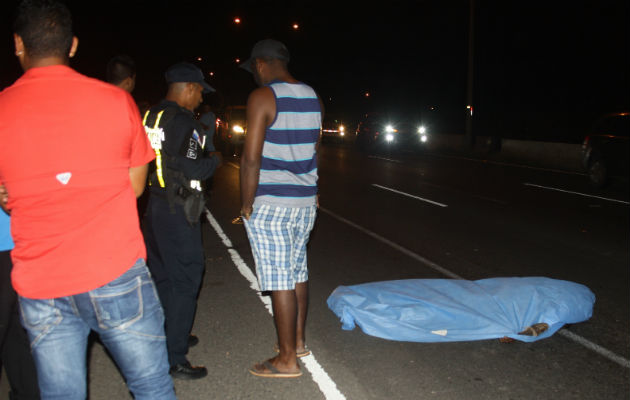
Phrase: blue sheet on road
(446, 310)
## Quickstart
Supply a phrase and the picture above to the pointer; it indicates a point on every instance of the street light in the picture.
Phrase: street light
(237, 20)
(296, 27)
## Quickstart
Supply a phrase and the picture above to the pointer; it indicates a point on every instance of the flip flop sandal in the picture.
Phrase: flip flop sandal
(272, 371)
(299, 354)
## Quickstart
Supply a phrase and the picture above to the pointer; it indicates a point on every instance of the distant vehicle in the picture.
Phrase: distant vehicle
(232, 129)
(334, 130)
(606, 151)
(378, 131)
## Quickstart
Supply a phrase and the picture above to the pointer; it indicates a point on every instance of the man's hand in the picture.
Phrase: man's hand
(246, 212)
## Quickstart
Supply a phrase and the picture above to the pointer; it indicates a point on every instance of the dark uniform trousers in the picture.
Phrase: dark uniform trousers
(176, 260)
(15, 349)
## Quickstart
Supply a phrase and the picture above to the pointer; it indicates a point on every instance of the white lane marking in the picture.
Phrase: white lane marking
(320, 377)
(385, 159)
(484, 161)
(461, 192)
(409, 195)
(396, 246)
(596, 348)
(578, 193)
(568, 334)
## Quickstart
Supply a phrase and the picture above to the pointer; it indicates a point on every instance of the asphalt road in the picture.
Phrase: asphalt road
(468, 219)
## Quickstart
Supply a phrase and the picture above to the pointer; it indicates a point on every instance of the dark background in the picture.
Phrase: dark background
(541, 71)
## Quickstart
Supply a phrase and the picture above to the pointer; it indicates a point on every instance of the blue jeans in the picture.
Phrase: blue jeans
(127, 315)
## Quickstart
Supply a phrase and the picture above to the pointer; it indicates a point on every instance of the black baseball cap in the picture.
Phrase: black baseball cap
(187, 72)
(266, 48)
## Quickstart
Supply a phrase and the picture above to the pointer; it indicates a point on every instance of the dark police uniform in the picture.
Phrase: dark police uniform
(171, 225)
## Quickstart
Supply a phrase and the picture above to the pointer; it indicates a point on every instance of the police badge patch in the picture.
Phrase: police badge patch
(192, 149)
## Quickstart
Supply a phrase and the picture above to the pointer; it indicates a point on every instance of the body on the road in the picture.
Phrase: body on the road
(279, 195)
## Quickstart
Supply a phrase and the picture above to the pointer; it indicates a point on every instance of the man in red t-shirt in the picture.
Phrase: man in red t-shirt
(73, 159)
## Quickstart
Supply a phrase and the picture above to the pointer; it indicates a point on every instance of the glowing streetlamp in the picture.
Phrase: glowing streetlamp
(237, 20)
(296, 27)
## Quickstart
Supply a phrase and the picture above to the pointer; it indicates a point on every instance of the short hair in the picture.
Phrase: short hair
(45, 27)
(272, 60)
(119, 68)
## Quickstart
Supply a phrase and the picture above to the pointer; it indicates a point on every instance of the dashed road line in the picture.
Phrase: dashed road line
(326, 385)
(486, 161)
(577, 193)
(396, 246)
(386, 159)
(410, 195)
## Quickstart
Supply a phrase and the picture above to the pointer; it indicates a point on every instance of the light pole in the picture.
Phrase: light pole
(470, 137)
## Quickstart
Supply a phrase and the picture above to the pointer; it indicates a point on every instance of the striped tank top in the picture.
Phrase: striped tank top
(288, 169)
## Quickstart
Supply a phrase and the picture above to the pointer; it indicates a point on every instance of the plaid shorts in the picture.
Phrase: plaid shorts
(278, 237)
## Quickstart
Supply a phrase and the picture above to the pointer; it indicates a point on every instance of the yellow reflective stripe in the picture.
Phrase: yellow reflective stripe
(158, 154)
(157, 120)
(146, 115)
(158, 171)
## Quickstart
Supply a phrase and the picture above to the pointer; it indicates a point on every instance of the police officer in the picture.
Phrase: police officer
(172, 228)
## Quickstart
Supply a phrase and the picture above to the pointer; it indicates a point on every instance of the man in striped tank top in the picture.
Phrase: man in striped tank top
(279, 195)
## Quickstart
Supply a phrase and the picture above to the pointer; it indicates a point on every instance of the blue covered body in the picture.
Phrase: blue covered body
(447, 310)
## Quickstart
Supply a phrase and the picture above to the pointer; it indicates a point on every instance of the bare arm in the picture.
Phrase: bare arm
(138, 178)
(261, 109)
(4, 198)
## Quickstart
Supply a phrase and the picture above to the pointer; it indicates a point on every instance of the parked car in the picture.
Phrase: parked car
(232, 129)
(606, 150)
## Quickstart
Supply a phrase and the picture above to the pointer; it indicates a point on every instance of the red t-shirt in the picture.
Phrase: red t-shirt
(66, 145)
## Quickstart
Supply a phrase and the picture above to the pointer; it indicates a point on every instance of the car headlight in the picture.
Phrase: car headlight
(390, 129)
(423, 138)
(389, 137)
(238, 129)
(422, 129)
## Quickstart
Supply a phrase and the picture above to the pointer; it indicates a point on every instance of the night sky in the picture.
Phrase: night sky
(541, 71)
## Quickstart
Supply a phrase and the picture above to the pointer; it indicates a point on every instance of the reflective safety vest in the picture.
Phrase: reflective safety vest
(156, 137)
(155, 132)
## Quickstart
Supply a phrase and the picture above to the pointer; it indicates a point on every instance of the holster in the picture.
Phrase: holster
(193, 202)
(178, 192)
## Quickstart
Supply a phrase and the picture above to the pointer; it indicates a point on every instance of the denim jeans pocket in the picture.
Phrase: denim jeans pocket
(119, 303)
(38, 315)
